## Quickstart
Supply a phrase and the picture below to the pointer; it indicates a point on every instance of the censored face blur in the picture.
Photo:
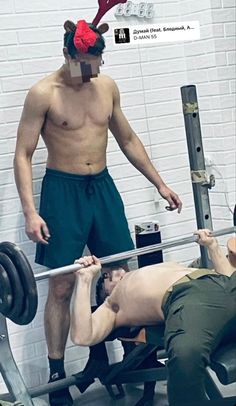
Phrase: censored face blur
(84, 67)
(113, 277)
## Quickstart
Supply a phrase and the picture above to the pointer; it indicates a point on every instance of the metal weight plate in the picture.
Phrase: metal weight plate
(16, 288)
(6, 299)
(27, 279)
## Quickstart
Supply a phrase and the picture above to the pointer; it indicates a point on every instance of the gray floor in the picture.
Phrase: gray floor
(98, 396)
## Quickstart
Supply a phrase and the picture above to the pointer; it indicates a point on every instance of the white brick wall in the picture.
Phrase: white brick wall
(149, 80)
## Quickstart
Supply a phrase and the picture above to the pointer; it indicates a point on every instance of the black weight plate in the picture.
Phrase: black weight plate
(16, 288)
(6, 299)
(27, 281)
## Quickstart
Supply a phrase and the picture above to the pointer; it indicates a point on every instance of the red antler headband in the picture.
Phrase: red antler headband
(84, 36)
(104, 6)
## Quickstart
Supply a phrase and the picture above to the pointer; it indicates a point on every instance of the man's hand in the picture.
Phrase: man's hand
(91, 266)
(205, 238)
(171, 197)
(36, 229)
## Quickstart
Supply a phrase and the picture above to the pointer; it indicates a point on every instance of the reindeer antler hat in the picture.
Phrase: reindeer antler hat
(87, 38)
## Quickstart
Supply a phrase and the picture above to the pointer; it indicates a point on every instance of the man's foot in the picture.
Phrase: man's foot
(61, 397)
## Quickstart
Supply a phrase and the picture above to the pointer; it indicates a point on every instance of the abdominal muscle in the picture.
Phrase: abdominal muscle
(81, 151)
(75, 129)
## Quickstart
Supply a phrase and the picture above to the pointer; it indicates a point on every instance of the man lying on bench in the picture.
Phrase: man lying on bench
(197, 305)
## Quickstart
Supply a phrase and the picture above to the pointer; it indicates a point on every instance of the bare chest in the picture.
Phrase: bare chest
(137, 304)
(73, 110)
(145, 311)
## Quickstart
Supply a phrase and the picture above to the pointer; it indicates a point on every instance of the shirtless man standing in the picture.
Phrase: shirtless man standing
(196, 309)
(73, 109)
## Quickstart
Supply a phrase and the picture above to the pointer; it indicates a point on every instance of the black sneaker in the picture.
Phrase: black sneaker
(61, 397)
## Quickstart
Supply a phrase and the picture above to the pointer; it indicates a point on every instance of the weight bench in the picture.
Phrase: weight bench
(146, 363)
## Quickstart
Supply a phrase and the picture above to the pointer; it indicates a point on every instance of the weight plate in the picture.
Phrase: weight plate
(25, 273)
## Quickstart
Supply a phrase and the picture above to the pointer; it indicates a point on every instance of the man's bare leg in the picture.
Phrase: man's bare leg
(57, 314)
(57, 323)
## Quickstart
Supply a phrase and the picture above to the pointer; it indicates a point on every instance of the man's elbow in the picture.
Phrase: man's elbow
(21, 159)
(79, 339)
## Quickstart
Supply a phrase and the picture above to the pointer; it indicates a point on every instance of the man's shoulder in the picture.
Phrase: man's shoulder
(43, 87)
(104, 77)
(106, 80)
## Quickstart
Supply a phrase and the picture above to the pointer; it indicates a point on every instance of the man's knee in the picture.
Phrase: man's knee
(186, 354)
(61, 287)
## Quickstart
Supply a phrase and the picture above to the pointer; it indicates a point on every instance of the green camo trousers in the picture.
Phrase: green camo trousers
(198, 314)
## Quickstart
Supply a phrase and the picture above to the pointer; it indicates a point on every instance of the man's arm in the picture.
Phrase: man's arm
(219, 260)
(134, 150)
(89, 328)
(32, 119)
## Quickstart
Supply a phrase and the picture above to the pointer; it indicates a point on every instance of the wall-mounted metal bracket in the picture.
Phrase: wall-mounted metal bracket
(202, 177)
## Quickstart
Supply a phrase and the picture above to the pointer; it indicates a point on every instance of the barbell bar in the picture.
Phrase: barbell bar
(18, 293)
(132, 253)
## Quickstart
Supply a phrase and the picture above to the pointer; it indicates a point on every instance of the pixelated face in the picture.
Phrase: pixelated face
(111, 279)
(84, 67)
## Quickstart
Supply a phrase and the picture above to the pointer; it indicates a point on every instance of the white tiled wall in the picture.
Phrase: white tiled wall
(149, 79)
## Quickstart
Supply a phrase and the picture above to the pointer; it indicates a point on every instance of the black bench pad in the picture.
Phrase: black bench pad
(223, 362)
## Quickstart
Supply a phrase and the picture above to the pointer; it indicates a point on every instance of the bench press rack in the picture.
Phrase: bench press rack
(223, 361)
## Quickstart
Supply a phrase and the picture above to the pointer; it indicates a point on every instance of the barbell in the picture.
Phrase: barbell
(18, 290)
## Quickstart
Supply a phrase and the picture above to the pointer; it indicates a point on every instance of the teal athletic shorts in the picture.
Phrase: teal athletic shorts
(81, 210)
